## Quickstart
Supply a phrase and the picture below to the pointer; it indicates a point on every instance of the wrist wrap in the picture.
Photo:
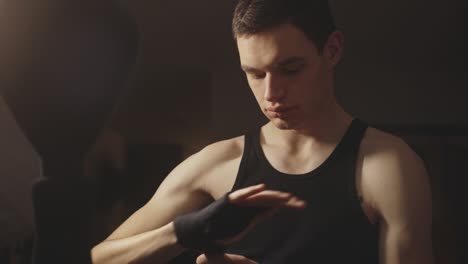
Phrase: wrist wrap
(219, 220)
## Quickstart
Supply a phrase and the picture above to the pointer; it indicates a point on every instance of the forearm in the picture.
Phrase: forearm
(156, 246)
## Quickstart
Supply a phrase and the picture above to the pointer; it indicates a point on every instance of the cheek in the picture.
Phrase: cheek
(308, 90)
(256, 89)
(258, 97)
(305, 86)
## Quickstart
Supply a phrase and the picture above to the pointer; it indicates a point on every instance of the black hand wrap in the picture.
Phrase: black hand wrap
(219, 220)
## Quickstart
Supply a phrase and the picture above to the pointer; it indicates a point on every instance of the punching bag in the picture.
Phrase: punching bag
(78, 68)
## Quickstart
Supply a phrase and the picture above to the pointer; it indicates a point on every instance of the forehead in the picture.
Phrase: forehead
(280, 43)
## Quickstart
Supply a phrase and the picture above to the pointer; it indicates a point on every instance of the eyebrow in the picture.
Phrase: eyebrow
(291, 60)
(280, 64)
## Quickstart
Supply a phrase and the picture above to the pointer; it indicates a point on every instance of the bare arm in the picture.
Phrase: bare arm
(148, 234)
(155, 246)
(398, 185)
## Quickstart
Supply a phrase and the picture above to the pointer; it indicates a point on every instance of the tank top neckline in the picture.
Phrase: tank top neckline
(345, 140)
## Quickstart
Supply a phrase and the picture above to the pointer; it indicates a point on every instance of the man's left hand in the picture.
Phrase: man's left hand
(223, 259)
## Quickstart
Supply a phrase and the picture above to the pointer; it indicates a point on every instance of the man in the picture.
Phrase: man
(363, 194)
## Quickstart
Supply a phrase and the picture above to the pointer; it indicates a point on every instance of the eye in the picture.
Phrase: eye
(292, 69)
(256, 75)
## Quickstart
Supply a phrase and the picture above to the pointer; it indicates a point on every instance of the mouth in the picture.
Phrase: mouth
(279, 111)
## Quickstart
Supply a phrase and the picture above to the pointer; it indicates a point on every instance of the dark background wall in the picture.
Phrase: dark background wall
(402, 62)
(402, 65)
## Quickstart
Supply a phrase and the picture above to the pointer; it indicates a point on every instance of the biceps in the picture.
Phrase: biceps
(402, 244)
(169, 201)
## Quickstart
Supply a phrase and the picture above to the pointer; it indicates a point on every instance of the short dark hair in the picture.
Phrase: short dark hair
(313, 17)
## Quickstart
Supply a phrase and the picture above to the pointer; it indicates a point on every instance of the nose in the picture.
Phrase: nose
(274, 88)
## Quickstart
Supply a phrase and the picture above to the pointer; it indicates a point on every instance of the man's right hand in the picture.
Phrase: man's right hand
(229, 218)
(258, 196)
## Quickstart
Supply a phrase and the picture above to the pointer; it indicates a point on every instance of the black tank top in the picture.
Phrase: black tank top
(332, 229)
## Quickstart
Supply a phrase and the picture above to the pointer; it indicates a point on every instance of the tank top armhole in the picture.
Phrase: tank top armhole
(357, 137)
(241, 176)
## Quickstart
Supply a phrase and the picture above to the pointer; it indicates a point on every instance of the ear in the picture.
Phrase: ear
(333, 48)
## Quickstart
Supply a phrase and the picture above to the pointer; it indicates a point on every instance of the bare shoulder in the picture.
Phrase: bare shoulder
(382, 149)
(222, 150)
(219, 162)
(376, 139)
(189, 186)
(204, 171)
(393, 176)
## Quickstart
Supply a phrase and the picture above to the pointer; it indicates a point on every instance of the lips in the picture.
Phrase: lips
(278, 112)
(278, 109)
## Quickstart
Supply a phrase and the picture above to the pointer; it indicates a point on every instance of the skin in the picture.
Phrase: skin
(293, 85)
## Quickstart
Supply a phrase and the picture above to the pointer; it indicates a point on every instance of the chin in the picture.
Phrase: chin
(282, 124)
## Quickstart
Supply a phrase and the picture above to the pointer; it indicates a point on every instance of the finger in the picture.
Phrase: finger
(238, 259)
(212, 258)
(202, 259)
(246, 192)
(223, 259)
(269, 194)
(295, 202)
(270, 198)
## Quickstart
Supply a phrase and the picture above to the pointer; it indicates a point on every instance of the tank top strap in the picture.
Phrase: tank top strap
(249, 159)
(355, 134)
